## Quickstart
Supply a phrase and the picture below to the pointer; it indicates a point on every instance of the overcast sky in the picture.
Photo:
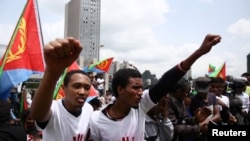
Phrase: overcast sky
(154, 34)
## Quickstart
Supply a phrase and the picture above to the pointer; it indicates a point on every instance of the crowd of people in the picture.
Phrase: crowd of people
(171, 109)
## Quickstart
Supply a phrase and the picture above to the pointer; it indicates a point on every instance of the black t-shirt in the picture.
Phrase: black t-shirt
(197, 102)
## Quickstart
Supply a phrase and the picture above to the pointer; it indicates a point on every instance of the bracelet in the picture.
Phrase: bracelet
(179, 66)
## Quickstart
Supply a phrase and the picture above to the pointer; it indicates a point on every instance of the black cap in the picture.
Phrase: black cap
(180, 84)
(202, 84)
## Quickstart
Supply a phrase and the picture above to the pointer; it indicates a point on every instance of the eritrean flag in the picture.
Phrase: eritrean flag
(211, 69)
(24, 54)
(100, 67)
(220, 72)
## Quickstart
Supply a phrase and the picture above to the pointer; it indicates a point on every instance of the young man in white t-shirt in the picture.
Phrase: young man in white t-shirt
(66, 119)
(100, 84)
(124, 119)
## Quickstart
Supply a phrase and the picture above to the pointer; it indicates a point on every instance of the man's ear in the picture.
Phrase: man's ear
(63, 87)
(120, 90)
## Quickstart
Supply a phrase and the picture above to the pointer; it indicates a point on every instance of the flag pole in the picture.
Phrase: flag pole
(59, 84)
(11, 42)
(40, 28)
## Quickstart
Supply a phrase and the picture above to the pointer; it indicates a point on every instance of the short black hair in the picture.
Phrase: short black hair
(217, 80)
(121, 78)
(70, 73)
(95, 102)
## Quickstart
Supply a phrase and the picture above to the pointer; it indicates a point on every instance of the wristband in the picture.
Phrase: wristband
(179, 66)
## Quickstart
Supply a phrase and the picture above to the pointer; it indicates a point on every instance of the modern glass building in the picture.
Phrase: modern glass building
(82, 21)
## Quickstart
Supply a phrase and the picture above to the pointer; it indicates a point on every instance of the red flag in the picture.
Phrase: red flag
(101, 66)
(60, 94)
(23, 56)
(222, 72)
(24, 103)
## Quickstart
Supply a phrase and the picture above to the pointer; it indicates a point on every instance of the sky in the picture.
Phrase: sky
(154, 35)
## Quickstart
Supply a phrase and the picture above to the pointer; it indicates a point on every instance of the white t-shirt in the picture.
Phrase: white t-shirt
(245, 101)
(28, 99)
(224, 99)
(163, 129)
(63, 126)
(130, 128)
(100, 82)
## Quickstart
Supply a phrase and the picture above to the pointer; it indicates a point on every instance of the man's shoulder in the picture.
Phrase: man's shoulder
(87, 106)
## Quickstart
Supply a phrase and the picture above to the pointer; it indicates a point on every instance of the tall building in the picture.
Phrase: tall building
(82, 21)
(248, 63)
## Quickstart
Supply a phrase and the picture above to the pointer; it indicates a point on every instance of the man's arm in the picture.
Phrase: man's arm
(171, 77)
(209, 41)
(216, 116)
(58, 55)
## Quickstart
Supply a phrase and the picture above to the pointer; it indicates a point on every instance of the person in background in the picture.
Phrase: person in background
(9, 132)
(239, 101)
(186, 126)
(207, 101)
(93, 80)
(14, 100)
(128, 112)
(14, 118)
(96, 103)
(100, 84)
(187, 102)
(247, 76)
(27, 96)
(66, 119)
(158, 126)
(29, 125)
(218, 87)
(108, 97)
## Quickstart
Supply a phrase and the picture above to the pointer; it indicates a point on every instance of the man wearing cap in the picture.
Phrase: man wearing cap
(238, 92)
(205, 100)
(186, 126)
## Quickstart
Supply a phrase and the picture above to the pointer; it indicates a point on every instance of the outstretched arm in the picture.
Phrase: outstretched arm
(58, 55)
(209, 41)
(171, 77)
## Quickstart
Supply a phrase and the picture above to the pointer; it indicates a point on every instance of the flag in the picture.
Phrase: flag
(59, 93)
(23, 56)
(211, 69)
(221, 72)
(23, 103)
(99, 67)
(92, 94)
